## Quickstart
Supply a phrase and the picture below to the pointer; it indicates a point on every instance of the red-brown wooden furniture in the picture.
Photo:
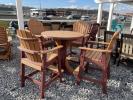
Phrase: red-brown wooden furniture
(34, 55)
(83, 28)
(98, 57)
(36, 27)
(5, 46)
(64, 38)
(94, 30)
(126, 48)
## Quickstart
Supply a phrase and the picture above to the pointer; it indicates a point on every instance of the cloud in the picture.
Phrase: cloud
(123, 8)
(85, 7)
(78, 7)
(71, 6)
(72, 1)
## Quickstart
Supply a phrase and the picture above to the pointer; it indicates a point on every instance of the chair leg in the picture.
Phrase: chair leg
(118, 61)
(104, 87)
(104, 82)
(22, 75)
(9, 57)
(78, 79)
(59, 67)
(42, 87)
(60, 75)
(86, 68)
(108, 71)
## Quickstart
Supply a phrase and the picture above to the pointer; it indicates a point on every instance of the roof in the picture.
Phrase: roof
(121, 1)
(130, 14)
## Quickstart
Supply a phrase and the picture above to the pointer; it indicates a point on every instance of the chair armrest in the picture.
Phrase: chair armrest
(3, 44)
(95, 42)
(53, 49)
(86, 35)
(92, 49)
(39, 52)
(28, 51)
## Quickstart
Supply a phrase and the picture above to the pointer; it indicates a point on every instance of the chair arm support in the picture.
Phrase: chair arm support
(53, 49)
(92, 49)
(28, 51)
(95, 42)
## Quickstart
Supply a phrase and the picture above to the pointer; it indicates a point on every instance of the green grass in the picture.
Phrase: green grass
(4, 23)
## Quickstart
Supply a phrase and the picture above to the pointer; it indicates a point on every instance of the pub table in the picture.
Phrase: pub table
(63, 38)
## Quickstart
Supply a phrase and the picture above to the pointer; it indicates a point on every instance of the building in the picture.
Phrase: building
(9, 11)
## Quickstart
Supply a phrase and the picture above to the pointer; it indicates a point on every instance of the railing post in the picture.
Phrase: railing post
(131, 27)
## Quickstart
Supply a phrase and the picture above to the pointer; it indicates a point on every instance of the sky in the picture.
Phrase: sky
(83, 4)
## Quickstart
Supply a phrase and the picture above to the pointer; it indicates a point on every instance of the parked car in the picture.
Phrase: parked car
(73, 17)
(50, 16)
(46, 18)
(85, 18)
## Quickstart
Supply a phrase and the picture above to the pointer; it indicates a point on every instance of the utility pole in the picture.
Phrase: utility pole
(40, 5)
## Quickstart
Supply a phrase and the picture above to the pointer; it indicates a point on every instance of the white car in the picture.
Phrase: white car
(73, 17)
(50, 16)
(86, 18)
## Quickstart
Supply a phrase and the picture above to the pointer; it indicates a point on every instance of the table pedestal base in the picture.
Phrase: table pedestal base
(64, 63)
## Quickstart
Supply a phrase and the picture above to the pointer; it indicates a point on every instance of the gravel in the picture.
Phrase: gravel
(120, 84)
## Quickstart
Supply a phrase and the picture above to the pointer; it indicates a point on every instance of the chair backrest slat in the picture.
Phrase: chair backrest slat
(95, 28)
(31, 44)
(113, 41)
(3, 35)
(35, 26)
(81, 26)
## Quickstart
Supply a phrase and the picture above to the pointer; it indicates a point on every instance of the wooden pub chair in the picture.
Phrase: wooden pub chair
(98, 57)
(94, 30)
(107, 37)
(35, 56)
(5, 45)
(126, 48)
(36, 28)
(82, 27)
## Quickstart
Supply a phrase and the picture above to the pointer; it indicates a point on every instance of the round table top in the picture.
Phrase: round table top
(62, 35)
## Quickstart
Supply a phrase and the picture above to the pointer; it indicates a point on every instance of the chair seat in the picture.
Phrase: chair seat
(37, 65)
(94, 57)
